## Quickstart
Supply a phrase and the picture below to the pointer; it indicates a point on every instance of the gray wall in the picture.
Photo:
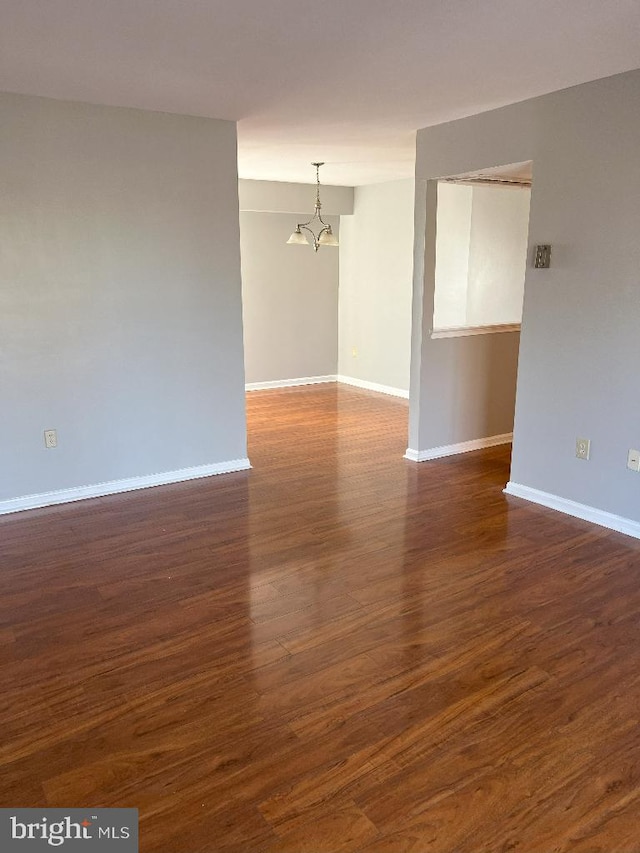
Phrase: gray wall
(120, 298)
(375, 285)
(580, 342)
(471, 386)
(290, 299)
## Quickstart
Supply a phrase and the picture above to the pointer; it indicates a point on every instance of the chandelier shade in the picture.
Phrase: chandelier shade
(328, 238)
(323, 236)
(298, 238)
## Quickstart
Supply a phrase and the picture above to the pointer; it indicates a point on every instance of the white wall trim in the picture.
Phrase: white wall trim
(577, 510)
(288, 383)
(316, 380)
(466, 331)
(453, 449)
(373, 386)
(63, 496)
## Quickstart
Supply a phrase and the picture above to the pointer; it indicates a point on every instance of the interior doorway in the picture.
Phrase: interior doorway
(476, 250)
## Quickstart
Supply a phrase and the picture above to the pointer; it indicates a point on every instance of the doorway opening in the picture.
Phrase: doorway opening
(477, 226)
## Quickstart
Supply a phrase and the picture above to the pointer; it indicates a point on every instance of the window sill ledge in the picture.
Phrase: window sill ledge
(466, 331)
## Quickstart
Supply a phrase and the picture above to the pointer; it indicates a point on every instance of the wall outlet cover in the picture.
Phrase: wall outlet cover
(583, 448)
(50, 438)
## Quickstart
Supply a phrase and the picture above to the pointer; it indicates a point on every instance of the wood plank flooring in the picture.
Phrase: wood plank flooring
(339, 650)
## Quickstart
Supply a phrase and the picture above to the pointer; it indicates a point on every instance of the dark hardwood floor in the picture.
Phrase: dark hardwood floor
(339, 650)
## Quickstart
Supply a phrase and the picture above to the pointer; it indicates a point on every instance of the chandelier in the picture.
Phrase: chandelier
(323, 237)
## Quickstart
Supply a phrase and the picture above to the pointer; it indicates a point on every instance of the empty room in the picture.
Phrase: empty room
(320, 431)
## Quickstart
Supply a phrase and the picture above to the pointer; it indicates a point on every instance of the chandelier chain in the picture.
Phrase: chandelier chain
(325, 234)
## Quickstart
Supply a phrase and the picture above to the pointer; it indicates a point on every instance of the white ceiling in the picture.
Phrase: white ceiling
(345, 81)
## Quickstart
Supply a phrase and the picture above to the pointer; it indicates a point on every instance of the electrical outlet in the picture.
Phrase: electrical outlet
(50, 438)
(633, 460)
(583, 448)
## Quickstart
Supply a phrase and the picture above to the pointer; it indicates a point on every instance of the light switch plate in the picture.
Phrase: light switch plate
(542, 257)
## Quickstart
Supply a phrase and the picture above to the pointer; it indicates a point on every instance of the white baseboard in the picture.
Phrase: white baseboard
(373, 386)
(453, 449)
(288, 383)
(99, 490)
(316, 380)
(577, 510)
